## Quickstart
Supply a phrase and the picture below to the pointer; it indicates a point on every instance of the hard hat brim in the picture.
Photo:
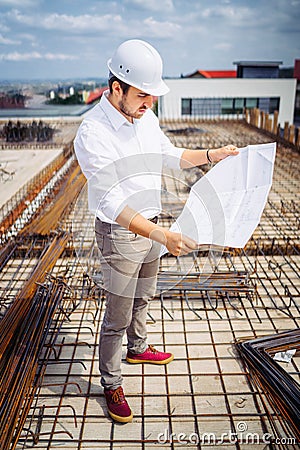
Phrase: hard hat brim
(162, 89)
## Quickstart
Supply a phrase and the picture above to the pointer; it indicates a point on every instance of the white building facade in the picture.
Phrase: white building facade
(196, 98)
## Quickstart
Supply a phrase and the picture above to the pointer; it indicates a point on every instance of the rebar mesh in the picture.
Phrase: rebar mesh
(205, 302)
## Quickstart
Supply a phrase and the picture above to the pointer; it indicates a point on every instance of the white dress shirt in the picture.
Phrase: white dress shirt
(123, 161)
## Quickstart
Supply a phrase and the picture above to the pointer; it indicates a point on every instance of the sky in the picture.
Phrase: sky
(50, 39)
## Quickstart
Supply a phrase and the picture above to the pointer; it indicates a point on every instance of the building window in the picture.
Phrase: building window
(212, 107)
(274, 104)
(251, 102)
(201, 106)
(239, 104)
(264, 104)
(206, 106)
(227, 106)
(186, 106)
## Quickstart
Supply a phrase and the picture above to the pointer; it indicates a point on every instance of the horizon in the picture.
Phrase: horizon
(102, 78)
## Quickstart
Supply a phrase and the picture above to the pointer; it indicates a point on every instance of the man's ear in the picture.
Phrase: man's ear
(116, 87)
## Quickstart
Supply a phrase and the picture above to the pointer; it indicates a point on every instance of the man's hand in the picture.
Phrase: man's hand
(192, 158)
(176, 243)
(217, 154)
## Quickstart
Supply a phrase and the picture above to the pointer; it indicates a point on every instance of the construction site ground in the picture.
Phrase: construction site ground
(205, 398)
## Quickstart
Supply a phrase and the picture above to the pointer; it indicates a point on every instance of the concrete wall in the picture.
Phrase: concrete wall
(170, 104)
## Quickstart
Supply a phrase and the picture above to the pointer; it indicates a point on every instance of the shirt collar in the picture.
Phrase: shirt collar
(115, 117)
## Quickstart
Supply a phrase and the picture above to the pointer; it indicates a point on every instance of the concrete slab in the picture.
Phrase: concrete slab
(18, 167)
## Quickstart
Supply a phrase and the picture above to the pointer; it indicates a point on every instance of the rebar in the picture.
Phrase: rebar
(15, 207)
(20, 362)
(282, 390)
(205, 303)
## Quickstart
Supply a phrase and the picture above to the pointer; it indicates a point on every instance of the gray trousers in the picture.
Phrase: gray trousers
(129, 265)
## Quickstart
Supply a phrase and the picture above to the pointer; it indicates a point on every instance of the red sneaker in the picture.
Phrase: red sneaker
(117, 405)
(151, 355)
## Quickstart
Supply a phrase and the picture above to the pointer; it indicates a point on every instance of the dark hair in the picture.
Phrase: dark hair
(124, 86)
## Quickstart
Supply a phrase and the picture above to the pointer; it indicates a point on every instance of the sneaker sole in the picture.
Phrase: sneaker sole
(147, 361)
(120, 418)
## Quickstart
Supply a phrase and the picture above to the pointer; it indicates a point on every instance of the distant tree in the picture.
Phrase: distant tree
(75, 99)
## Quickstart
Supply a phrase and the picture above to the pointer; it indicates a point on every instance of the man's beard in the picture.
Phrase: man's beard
(127, 112)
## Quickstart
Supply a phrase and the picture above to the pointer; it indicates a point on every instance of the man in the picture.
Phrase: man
(121, 150)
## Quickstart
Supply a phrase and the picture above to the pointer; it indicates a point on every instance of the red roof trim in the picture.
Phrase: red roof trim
(213, 74)
(218, 73)
(95, 95)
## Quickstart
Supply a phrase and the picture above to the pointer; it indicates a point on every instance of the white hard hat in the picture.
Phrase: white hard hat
(138, 64)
